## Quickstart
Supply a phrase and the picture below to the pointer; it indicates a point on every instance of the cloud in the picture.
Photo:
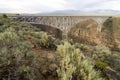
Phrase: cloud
(105, 4)
(37, 6)
(33, 6)
(95, 4)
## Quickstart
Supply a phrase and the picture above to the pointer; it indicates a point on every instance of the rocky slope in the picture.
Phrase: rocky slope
(90, 32)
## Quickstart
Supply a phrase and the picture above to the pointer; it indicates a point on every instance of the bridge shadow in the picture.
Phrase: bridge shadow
(55, 32)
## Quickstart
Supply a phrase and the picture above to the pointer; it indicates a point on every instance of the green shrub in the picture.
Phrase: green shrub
(42, 39)
(4, 16)
(85, 71)
(68, 56)
(83, 47)
(72, 66)
(114, 60)
(101, 64)
(100, 52)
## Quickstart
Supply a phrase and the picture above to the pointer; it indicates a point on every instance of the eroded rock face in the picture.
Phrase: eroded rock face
(85, 31)
(91, 32)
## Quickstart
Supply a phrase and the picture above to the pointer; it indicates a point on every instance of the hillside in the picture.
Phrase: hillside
(90, 32)
(27, 53)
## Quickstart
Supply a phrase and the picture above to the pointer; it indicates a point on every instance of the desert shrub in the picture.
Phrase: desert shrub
(16, 58)
(114, 60)
(83, 47)
(4, 23)
(85, 71)
(100, 52)
(45, 40)
(1, 22)
(4, 16)
(68, 56)
(42, 39)
(72, 66)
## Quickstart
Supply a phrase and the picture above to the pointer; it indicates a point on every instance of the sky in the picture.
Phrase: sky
(42, 6)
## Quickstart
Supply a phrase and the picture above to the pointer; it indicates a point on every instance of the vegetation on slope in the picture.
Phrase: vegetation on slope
(27, 53)
(73, 67)
(17, 60)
